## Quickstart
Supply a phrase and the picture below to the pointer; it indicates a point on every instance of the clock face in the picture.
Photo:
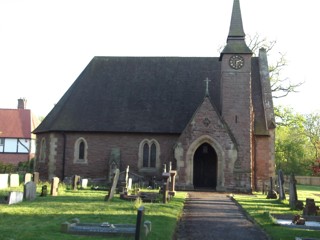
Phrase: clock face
(236, 62)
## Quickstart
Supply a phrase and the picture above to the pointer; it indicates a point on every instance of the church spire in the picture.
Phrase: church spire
(236, 38)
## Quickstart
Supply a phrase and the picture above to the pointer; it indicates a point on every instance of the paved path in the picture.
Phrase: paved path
(211, 215)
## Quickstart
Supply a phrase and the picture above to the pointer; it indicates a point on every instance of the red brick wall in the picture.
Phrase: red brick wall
(99, 150)
(236, 107)
(264, 159)
(14, 158)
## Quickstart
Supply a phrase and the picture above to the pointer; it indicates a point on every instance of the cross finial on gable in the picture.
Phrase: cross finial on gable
(207, 80)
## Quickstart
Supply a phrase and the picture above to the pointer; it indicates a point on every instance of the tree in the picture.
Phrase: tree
(280, 87)
(312, 131)
(292, 147)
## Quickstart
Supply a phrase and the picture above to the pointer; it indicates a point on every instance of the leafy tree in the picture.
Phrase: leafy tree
(294, 151)
(312, 131)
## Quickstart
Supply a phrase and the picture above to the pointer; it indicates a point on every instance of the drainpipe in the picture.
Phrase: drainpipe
(64, 154)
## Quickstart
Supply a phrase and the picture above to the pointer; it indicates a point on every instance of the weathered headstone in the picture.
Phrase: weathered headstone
(30, 190)
(271, 193)
(165, 177)
(15, 197)
(75, 182)
(44, 191)
(293, 196)
(36, 177)
(310, 208)
(282, 195)
(54, 186)
(14, 180)
(4, 180)
(27, 177)
(114, 186)
(84, 183)
(114, 162)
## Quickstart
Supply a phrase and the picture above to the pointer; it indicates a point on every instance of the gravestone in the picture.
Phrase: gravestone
(114, 162)
(310, 209)
(30, 190)
(15, 197)
(36, 178)
(44, 191)
(293, 196)
(129, 184)
(27, 177)
(75, 182)
(114, 186)
(4, 180)
(282, 195)
(84, 183)
(127, 176)
(172, 183)
(165, 177)
(54, 186)
(271, 193)
(14, 180)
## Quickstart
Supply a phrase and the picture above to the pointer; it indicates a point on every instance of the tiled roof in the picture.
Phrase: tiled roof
(15, 123)
(141, 94)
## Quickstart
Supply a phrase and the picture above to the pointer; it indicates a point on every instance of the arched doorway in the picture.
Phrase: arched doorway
(205, 167)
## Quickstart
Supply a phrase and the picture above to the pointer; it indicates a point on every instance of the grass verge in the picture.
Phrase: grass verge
(41, 219)
(259, 208)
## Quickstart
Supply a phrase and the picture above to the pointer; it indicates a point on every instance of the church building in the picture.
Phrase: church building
(210, 117)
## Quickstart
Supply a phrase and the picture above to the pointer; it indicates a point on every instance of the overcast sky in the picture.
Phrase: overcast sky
(45, 44)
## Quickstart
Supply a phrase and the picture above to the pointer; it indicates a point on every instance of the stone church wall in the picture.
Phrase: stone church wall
(99, 148)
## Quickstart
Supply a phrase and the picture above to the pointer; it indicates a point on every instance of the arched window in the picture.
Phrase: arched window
(149, 152)
(146, 155)
(80, 151)
(43, 148)
(153, 155)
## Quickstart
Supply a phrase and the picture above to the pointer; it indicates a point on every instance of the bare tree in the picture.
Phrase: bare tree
(280, 86)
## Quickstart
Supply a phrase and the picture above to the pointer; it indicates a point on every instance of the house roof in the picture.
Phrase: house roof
(140, 94)
(15, 123)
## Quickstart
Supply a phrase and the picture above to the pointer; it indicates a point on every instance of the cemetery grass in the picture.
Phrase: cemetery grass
(41, 219)
(259, 208)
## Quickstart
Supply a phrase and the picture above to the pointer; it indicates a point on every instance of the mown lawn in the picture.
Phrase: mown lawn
(259, 208)
(41, 219)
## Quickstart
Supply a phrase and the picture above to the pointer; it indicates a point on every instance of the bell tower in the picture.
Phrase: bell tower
(236, 98)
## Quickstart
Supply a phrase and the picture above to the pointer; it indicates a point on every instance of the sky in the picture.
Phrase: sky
(46, 44)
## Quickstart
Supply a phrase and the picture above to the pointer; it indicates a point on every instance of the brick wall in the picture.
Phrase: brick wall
(99, 150)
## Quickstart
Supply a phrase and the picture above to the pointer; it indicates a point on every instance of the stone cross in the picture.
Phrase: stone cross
(207, 86)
